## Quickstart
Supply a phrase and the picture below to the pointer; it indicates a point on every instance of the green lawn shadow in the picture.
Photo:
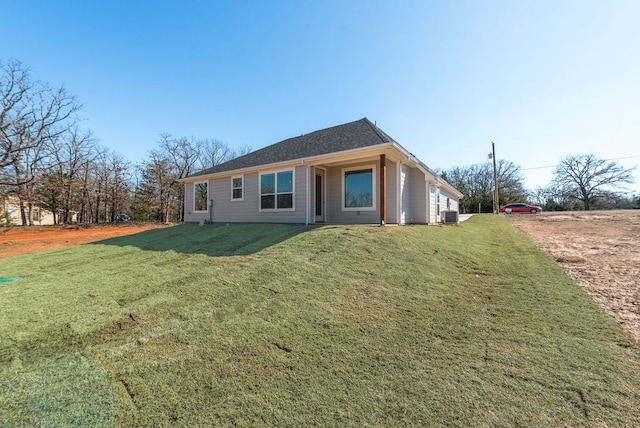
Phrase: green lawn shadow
(215, 240)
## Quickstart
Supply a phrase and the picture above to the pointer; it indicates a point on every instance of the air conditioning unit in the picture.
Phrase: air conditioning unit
(449, 217)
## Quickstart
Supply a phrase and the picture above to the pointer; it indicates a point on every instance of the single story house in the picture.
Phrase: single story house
(11, 214)
(350, 173)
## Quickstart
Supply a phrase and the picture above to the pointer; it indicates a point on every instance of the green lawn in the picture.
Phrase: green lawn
(280, 325)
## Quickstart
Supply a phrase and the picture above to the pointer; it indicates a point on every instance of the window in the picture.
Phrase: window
(358, 189)
(276, 190)
(200, 196)
(237, 192)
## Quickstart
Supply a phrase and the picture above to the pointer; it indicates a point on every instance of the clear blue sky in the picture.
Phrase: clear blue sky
(541, 79)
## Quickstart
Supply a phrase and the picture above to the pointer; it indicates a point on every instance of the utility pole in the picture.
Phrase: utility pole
(496, 199)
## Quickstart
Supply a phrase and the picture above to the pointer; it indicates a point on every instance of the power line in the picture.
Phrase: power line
(626, 157)
(553, 166)
(538, 167)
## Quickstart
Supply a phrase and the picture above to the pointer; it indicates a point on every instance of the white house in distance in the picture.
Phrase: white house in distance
(350, 173)
(10, 206)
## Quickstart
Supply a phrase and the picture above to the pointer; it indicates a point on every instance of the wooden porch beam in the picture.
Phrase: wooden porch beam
(383, 189)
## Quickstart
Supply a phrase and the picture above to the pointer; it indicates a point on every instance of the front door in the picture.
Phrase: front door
(319, 198)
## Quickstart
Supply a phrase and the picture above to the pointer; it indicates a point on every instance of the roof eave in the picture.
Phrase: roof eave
(341, 156)
(437, 180)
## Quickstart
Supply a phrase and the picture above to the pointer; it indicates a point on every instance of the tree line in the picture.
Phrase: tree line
(48, 162)
(580, 182)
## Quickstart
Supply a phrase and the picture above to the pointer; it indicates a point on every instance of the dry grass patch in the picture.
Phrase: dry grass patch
(600, 250)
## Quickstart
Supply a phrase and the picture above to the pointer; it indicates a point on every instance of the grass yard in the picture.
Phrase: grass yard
(278, 325)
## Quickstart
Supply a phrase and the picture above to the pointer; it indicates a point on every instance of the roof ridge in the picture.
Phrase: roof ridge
(379, 132)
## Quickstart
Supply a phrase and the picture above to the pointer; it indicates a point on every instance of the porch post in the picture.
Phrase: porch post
(308, 201)
(383, 189)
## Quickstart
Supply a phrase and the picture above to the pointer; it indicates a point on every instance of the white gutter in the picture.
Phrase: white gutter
(277, 165)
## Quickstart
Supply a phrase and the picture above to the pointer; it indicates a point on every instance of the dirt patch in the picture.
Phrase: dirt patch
(25, 240)
(600, 250)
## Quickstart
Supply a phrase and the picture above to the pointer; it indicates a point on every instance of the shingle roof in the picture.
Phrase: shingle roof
(353, 135)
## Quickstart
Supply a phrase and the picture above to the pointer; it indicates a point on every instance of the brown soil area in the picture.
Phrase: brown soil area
(24, 240)
(600, 250)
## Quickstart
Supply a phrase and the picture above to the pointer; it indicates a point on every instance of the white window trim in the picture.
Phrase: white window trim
(373, 187)
(195, 185)
(233, 188)
(293, 191)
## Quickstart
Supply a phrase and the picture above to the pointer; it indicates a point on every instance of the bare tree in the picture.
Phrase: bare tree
(154, 190)
(213, 152)
(476, 184)
(119, 184)
(100, 179)
(158, 194)
(587, 178)
(182, 152)
(32, 114)
(19, 181)
(184, 156)
(70, 154)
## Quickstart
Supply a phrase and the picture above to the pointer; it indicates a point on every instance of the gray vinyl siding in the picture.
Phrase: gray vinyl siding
(455, 204)
(188, 201)
(334, 198)
(190, 215)
(453, 201)
(410, 198)
(226, 210)
(418, 195)
(392, 192)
